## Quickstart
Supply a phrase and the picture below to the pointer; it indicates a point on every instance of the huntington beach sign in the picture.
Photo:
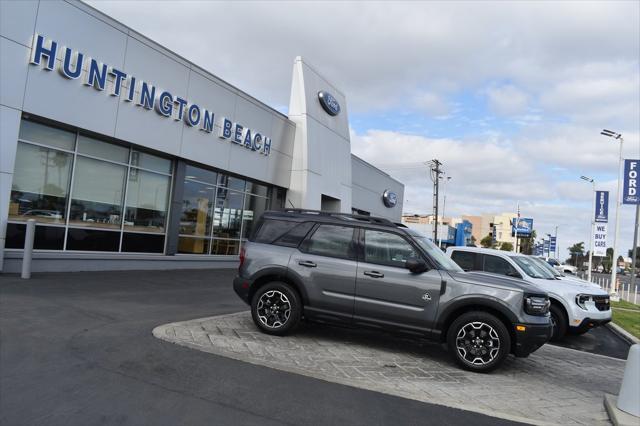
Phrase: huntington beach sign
(101, 77)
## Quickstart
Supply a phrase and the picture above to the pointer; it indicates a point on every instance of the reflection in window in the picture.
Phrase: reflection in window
(147, 196)
(228, 213)
(253, 209)
(197, 205)
(40, 184)
(193, 245)
(201, 175)
(98, 189)
(225, 247)
(150, 162)
(100, 149)
(332, 241)
(231, 182)
(385, 248)
(46, 135)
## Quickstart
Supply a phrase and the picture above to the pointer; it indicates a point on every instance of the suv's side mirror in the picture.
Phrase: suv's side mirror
(415, 265)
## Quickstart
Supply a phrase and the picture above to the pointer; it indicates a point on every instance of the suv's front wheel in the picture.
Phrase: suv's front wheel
(276, 308)
(478, 341)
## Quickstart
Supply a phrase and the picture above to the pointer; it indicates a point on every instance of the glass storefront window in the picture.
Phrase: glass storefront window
(31, 131)
(257, 189)
(197, 212)
(201, 175)
(228, 213)
(225, 247)
(253, 208)
(100, 149)
(40, 184)
(147, 197)
(98, 189)
(231, 182)
(193, 245)
(150, 162)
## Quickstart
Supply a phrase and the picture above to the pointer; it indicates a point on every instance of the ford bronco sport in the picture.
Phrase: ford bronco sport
(367, 271)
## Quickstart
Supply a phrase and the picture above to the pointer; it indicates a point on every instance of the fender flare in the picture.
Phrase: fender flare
(474, 301)
(284, 274)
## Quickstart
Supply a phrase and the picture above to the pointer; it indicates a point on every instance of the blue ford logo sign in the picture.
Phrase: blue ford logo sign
(389, 198)
(329, 103)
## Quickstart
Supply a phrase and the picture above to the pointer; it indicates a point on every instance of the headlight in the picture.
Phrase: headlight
(582, 299)
(536, 304)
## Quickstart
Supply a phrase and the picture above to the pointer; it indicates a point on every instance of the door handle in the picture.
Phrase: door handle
(307, 263)
(374, 274)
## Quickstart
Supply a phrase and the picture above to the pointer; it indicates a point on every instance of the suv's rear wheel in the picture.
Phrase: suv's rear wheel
(478, 341)
(276, 308)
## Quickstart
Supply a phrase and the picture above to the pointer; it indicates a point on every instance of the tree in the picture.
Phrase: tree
(606, 261)
(577, 254)
(473, 241)
(487, 242)
(506, 246)
(526, 244)
(637, 256)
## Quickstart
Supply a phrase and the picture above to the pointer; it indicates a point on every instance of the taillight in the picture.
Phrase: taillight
(242, 257)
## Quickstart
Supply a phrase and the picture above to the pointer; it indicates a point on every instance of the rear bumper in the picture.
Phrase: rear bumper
(531, 339)
(241, 286)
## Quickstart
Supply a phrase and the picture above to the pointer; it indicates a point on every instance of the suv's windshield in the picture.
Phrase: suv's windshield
(546, 267)
(531, 268)
(436, 254)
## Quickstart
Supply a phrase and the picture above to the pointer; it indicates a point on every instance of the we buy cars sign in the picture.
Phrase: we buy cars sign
(631, 182)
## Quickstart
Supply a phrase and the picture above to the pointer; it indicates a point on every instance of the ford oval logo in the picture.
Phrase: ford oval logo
(389, 198)
(329, 103)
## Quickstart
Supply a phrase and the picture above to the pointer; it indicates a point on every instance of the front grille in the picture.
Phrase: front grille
(602, 303)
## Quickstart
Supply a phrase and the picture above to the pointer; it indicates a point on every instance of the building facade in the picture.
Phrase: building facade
(129, 156)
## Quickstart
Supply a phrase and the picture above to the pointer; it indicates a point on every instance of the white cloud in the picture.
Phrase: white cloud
(507, 100)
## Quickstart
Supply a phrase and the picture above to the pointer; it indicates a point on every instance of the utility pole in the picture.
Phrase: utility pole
(618, 203)
(435, 173)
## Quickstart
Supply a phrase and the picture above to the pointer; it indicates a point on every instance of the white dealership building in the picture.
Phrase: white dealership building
(129, 156)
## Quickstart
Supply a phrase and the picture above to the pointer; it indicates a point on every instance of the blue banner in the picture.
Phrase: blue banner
(552, 245)
(602, 206)
(525, 227)
(630, 183)
(545, 248)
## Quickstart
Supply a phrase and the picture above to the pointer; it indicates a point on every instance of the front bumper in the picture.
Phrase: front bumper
(589, 323)
(241, 286)
(531, 338)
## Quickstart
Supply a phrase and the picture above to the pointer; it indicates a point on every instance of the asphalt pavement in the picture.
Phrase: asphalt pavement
(77, 349)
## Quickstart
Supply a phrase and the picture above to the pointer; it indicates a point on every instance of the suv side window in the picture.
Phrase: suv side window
(497, 265)
(465, 259)
(332, 241)
(385, 248)
(271, 229)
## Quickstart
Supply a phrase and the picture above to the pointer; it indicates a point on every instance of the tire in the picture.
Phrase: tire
(559, 321)
(276, 308)
(486, 354)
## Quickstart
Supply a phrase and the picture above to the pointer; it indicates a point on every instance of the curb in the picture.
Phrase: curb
(622, 333)
(617, 416)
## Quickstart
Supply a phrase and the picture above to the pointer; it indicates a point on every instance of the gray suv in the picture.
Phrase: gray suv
(367, 271)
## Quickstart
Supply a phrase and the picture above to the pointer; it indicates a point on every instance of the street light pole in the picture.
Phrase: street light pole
(614, 260)
(444, 204)
(593, 223)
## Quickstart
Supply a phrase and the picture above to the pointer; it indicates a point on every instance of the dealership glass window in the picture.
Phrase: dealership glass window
(197, 209)
(31, 131)
(97, 194)
(152, 162)
(192, 245)
(254, 206)
(85, 185)
(104, 150)
(231, 182)
(147, 198)
(40, 184)
(197, 174)
(227, 218)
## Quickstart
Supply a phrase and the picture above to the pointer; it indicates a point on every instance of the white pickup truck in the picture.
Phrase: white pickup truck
(562, 267)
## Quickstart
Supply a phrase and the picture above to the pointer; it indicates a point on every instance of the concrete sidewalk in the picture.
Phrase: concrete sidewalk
(553, 386)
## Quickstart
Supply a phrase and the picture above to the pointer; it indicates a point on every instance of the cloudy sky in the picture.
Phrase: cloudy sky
(510, 96)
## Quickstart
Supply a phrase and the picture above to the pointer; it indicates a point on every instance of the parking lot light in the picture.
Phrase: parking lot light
(614, 261)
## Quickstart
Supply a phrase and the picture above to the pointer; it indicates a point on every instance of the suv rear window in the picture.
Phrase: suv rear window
(465, 259)
(282, 232)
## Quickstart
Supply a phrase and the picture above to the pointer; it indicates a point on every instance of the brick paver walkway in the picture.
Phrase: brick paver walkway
(553, 386)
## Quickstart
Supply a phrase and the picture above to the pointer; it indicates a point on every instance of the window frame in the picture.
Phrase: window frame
(362, 253)
(513, 268)
(353, 246)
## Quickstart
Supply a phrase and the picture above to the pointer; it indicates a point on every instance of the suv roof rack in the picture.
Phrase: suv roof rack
(343, 216)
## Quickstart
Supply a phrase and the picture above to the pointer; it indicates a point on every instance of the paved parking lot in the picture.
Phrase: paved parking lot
(554, 385)
(77, 349)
